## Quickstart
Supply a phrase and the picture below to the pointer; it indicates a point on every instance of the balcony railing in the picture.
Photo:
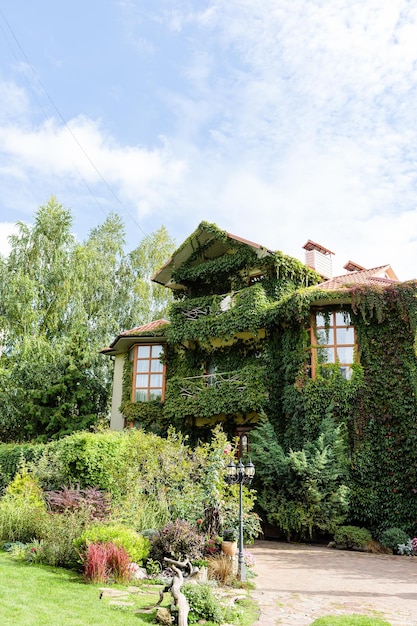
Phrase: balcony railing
(194, 384)
(219, 316)
(239, 391)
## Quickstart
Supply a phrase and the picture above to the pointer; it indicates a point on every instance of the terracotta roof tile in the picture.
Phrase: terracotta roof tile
(151, 326)
(360, 277)
(121, 339)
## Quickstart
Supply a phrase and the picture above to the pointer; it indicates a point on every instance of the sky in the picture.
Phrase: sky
(278, 120)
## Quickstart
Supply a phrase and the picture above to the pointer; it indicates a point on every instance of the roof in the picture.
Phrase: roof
(127, 338)
(351, 266)
(312, 245)
(377, 276)
(206, 238)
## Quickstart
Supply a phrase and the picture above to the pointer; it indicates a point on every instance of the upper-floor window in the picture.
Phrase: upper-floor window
(211, 371)
(256, 278)
(148, 373)
(332, 342)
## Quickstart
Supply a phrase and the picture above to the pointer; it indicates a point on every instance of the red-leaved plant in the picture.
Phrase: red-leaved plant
(105, 561)
(74, 498)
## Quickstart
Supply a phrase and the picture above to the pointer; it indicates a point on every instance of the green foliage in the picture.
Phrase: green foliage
(238, 392)
(147, 415)
(12, 456)
(177, 540)
(352, 536)
(203, 603)
(87, 459)
(392, 537)
(22, 511)
(59, 532)
(349, 620)
(209, 321)
(302, 491)
(25, 487)
(61, 302)
(134, 543)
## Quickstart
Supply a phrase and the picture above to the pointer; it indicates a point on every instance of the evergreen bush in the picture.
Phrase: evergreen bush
(352, 537)
(392, 537)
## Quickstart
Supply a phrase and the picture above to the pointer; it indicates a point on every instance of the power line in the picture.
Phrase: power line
(61, 117)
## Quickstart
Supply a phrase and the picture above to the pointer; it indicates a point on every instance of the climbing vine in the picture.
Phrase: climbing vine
(255, 341)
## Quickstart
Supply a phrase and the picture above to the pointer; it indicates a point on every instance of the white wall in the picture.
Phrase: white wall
(117, 421)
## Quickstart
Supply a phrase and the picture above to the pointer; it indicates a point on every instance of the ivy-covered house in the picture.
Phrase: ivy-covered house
(207, 364)
(253, 332)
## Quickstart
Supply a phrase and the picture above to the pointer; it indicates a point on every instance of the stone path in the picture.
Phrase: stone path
(296, 583)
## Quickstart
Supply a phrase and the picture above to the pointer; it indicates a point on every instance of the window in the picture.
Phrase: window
(332, 341)
(256, 278)
(148, 373)
(244, 446)
(211, 371)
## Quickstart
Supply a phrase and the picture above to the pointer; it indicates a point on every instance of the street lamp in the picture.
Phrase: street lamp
(242, 475)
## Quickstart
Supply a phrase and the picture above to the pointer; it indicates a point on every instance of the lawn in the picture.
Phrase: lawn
(40, 595)
(349, 620)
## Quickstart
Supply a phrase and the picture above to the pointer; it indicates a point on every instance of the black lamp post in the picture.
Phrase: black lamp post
(242, 475)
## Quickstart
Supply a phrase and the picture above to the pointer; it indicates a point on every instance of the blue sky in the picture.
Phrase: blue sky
(279, 120)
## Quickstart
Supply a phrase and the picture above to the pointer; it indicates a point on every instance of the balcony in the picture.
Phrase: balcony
(220, 317)
(223, 393)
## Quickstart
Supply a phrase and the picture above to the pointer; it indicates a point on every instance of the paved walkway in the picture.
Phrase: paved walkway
(295, 584)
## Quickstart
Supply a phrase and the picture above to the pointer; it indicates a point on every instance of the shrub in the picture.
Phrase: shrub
(136, 546)
(22, 510)
(103, 561)
(59, 532)
(12, 455)
(73, 498)
(25, 487)
(177, 540)
(140, 511)
(393, 537)
(83, 458)
(203, 603)
(352, 537)
(303, 491)
(212, 545)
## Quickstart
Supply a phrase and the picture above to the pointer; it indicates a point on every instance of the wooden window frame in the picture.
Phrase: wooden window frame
(148, 372)
(243, 432)
(333, 343)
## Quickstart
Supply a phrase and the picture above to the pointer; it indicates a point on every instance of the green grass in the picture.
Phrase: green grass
(349, 620)
(35, 595)
(39, 595)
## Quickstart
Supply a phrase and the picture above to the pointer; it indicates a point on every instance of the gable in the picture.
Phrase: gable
(206, 243)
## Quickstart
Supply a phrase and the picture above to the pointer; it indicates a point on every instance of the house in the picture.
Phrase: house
(253, 332)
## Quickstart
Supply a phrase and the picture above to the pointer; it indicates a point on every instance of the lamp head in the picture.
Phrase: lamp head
(250, 470)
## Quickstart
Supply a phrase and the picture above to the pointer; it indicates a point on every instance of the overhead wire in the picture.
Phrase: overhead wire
(66, 125)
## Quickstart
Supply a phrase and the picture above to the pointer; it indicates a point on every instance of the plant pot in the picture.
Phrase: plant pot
(229, 548)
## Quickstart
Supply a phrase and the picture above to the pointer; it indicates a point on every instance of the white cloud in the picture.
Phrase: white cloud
(83, 150)
(6, 229)
(293, 119)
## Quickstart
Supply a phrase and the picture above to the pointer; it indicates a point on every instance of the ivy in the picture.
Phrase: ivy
(243, 392)
(244, 315)
(257, 337)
